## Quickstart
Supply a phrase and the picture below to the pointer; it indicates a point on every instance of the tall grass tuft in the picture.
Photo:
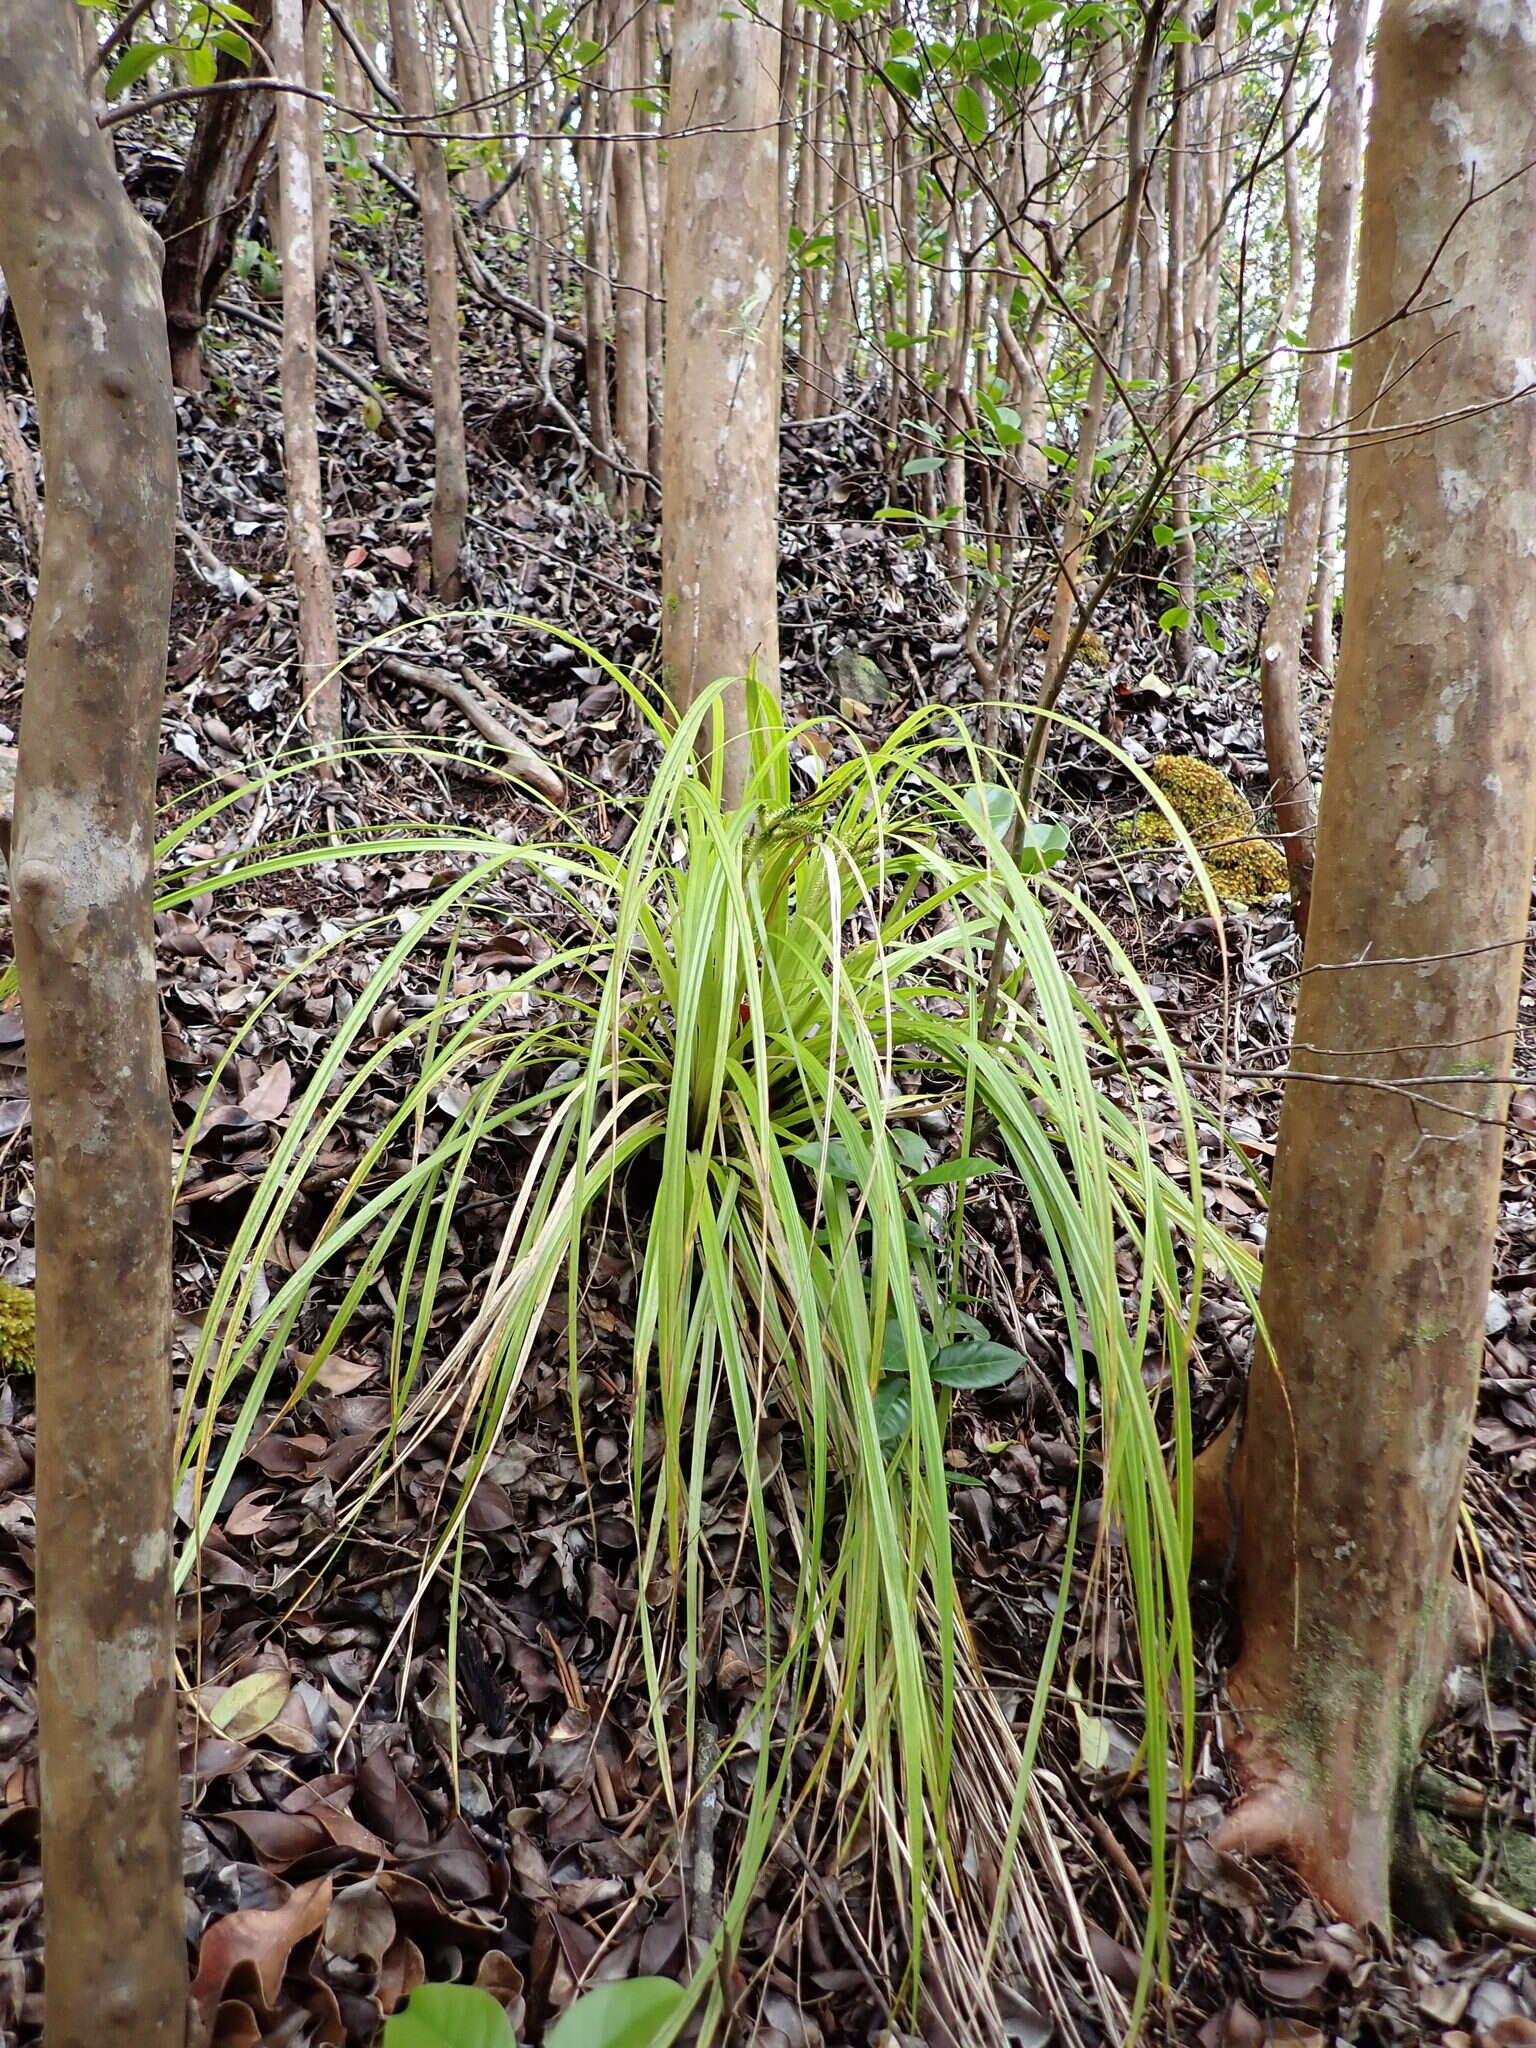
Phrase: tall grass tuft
(769, 999)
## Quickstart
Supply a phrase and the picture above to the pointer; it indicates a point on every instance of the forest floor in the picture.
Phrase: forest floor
(318, 1773)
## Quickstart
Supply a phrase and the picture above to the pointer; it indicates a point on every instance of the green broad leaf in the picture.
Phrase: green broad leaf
(975, 1363)
(1057, 455)
(971, 113)
(628, 2015)
(1176, 616)
(902, 40)
(910, 1148)
(893, 1351)
(968, 1168)
(449, 2016)
(201, 64)
(1013, 71)
(1164, 536)
(901, 77)
(131, 66)
(1045, 845)
(922, 465)
(893, 1411)
(968, 1325)
(833, 1161)
(990, 803)
(586, 52)
(233, 44)
(1210, 634)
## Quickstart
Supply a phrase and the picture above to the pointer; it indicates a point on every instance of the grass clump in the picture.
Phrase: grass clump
(725, 1056)
(1243, 866)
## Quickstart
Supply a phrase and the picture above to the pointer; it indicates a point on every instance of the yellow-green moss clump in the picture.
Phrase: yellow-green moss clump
(1243, 866)
(18, 1328)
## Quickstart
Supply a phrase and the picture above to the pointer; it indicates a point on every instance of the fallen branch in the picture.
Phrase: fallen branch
(383, 348)
(332, 361)
(523, 762)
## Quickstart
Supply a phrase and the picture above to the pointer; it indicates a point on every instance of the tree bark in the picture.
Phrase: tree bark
(314, 123)
(83, 274)
(1177, 287)
(632, 276)
(450, 472)
(1320, 627)
(724, 257)
(319, 652)
(1349, 1472)
(1280, 651)
(209, 201)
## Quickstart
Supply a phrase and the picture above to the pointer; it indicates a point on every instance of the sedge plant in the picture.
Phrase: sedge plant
(737, 1057)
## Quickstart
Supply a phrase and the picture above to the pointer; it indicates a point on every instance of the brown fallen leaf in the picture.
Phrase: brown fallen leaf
(400, 1973)
(269, 1098)
(253, 1947)
(361, 1922)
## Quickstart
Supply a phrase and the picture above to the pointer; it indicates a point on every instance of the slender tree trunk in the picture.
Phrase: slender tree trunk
(1376, 1271)
(1178, 357)
(471, 28)
(594, 160)
(1074, 540)
(1260, 454)
(209, 201)
(1280, 651)
(320, 687)
(632, 273)
(721, 439)
(837, 341)
(1320, 627)
(810, 207)
(450, 472)
(314, 123)
(83, 273)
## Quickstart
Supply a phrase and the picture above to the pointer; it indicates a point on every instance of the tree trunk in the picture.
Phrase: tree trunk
(594, 163)
(1320, 627)
(1261, 407)
(631, 415)
(314, 122)
(209, 201)
(1380, 1245)
(1280, 651)
(319, 685)
(1111, 304)
(724, 254)
(1177, 286)
(450, 470)
(810, 370)
(82, 271)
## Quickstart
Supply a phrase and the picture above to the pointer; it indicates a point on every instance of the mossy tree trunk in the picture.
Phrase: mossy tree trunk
(1348, 1475)
(84, 278)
